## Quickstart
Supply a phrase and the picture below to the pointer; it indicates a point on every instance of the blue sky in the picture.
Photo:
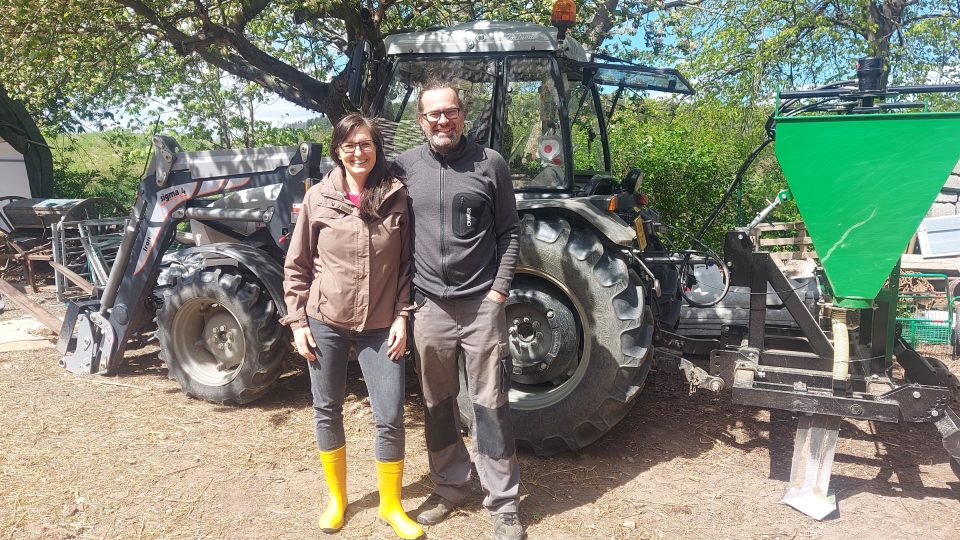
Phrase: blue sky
(280, 112)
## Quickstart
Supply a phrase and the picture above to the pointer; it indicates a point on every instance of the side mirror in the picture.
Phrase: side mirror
(357, 73)
(633, 181)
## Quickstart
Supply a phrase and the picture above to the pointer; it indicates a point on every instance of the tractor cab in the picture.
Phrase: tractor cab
(543, 103)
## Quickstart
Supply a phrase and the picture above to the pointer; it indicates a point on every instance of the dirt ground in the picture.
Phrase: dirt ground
(130, 456)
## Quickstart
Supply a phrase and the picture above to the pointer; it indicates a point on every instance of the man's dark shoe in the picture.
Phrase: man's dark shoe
(506, 526)
(434, 510)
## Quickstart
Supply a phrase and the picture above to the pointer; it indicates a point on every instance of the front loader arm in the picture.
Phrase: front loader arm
(178, 186)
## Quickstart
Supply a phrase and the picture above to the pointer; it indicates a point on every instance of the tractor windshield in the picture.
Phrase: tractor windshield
(475, 79)
(519, 116)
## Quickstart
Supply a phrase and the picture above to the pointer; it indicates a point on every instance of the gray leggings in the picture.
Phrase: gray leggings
(385, 385)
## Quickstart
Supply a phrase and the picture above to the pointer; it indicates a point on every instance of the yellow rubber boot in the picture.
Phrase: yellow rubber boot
(335, 471)
(390, 481)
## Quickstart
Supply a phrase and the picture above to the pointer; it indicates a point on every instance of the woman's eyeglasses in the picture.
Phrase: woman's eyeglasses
(364, 146)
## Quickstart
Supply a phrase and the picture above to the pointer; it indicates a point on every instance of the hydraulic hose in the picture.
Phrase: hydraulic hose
(737, 179)
(841, 345)
(769, 128)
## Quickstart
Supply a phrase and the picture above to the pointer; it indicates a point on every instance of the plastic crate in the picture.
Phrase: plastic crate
(916, 331)
(930, 326)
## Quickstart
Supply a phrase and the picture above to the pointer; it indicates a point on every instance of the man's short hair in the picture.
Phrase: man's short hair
(438, 84)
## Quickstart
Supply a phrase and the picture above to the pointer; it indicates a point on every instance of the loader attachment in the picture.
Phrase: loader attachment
(182, 186)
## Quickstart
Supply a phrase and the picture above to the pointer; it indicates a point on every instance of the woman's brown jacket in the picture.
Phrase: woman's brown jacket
(346, 272)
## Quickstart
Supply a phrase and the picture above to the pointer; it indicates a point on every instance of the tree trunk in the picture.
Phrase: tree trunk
(886, 19)
(601, 24)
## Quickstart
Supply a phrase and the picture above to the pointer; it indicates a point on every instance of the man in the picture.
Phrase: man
(465, 249)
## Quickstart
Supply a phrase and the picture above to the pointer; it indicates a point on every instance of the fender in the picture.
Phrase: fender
(607, 224)
(267, 270)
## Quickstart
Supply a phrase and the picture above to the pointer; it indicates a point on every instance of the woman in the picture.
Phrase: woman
(347, 279)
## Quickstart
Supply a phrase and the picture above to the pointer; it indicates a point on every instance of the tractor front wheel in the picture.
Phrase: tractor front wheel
(220, 336)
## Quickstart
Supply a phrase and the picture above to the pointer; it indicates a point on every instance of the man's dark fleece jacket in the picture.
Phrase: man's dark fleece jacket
(465, 222)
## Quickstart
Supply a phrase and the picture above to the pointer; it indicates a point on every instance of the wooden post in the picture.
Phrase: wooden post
(45, 317)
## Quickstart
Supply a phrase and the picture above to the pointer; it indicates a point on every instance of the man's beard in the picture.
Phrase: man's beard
(444, 142)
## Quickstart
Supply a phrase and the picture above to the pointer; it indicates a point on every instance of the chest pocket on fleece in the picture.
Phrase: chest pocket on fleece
(470, 214)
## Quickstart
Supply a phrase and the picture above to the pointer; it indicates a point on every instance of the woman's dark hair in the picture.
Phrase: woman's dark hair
(379, 181)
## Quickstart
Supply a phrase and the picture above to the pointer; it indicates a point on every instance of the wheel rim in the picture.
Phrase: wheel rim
(543, 337)
(537, 396)
(209, 342)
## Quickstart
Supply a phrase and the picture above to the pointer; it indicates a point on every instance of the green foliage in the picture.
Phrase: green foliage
(690, 153)
(107, 164)
(73, 61)
(111, 163)
(746, 51)
(319, 123)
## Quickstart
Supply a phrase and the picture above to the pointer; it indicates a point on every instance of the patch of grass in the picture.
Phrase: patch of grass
(111, 163)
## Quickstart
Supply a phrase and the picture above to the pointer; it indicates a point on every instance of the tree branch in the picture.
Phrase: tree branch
(250, 10)
(246, 61)
(840, 18)
(603, 21)
(918, 18)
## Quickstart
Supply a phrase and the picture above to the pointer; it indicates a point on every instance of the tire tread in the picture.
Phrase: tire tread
(261, 369)
(614, 309)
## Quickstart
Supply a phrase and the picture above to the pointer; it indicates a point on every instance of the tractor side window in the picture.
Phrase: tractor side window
(585, 132)
(532, 142)
(399, 115)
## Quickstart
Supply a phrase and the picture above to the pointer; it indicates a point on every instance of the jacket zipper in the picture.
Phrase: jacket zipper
(363, 277)
(443, 231)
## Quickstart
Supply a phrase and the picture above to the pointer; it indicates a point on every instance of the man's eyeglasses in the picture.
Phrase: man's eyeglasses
(452, 114)
(365, 146)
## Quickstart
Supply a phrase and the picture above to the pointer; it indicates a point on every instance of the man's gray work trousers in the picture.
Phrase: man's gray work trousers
(477, 326)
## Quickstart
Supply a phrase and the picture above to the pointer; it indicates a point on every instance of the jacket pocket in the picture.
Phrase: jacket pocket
(506, 367)
(321, 298)
(419, 299)
(469, 214)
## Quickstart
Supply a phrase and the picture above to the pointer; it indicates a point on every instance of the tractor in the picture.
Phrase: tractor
(593, 282)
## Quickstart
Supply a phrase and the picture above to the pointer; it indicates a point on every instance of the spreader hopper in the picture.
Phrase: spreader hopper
(863, 183)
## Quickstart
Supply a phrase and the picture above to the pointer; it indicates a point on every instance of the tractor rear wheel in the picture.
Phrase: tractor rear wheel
(579, 336)
(220, 336)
